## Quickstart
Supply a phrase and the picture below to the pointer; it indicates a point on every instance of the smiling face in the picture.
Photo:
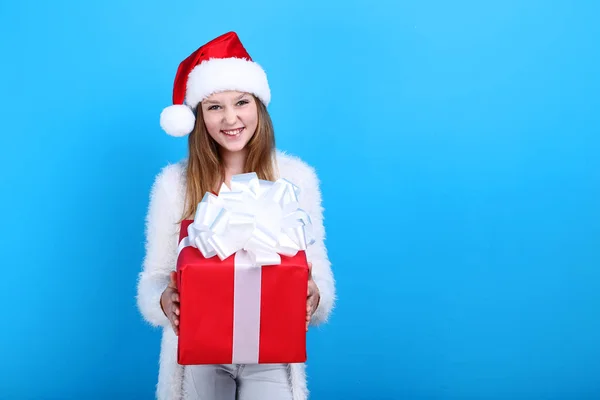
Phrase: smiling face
(231, 119)
(208, 152)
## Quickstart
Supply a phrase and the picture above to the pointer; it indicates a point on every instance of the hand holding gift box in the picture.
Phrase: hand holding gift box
(242, 276)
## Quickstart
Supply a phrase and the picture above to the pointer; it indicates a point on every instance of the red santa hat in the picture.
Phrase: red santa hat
(220, 65)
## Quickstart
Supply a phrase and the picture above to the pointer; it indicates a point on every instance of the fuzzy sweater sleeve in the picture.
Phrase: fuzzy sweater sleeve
(317, 252)
(161, 233)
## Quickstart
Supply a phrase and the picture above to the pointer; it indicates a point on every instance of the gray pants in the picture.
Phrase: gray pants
(237, 382)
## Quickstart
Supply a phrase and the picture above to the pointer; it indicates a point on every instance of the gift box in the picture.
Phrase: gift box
(242, 276)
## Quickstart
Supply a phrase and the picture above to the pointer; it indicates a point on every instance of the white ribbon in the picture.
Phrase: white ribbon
(257, 216)
(246, 310)
(258, 221)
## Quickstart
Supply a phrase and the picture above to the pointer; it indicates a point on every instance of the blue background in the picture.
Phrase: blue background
(458, 147)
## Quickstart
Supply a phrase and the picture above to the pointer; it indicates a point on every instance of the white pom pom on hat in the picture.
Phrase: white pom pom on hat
(177, 120)
(220, 65)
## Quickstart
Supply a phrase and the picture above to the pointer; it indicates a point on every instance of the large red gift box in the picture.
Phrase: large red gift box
(231, 313)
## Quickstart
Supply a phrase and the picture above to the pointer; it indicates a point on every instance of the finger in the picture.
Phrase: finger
(310, 305)
(174, 309)
(172, 281)
(175, 323)
(174, 320)
(175, 297)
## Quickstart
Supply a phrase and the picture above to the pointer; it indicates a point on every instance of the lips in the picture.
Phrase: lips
(232, 132)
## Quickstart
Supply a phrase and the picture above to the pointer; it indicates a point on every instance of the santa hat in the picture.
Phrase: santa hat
(220, 65)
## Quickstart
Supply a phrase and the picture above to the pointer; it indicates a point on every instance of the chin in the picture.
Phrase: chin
(234, 148)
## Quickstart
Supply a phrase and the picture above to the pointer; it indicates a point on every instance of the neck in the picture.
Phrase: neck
(233, 163)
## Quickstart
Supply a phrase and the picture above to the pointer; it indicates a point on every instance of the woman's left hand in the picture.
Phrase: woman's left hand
(312, 296)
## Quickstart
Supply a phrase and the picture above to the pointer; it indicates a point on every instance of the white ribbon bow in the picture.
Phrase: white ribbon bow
(260, 217)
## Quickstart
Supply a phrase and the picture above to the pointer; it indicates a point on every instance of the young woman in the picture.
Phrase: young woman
(220, 100)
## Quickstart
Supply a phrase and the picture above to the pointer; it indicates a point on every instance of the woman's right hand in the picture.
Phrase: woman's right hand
(169, 301)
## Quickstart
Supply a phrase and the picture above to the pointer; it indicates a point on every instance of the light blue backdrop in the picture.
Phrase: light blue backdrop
(458, 147)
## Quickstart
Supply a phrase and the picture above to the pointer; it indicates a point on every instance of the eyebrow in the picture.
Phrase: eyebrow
(218, 102)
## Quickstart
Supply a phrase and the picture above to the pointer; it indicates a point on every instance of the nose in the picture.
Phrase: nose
(230, 116)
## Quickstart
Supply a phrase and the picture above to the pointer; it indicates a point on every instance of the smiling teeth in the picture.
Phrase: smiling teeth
(233, 132)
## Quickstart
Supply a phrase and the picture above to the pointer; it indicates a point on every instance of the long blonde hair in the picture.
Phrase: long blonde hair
(205, 169)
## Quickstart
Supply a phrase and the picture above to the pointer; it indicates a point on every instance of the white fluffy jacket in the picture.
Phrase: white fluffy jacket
(162, 234)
